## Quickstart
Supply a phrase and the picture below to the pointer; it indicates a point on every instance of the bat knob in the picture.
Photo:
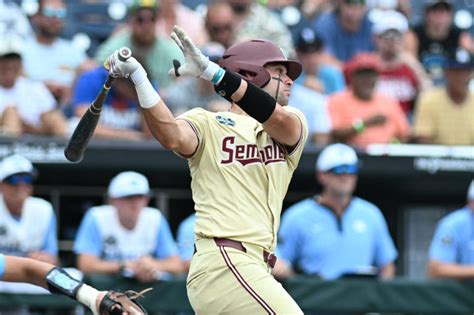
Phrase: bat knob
(124, 53)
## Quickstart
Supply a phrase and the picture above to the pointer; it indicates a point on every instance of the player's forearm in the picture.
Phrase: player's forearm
(343, 134)
(387, 271)
(282, 269)
(438, 269)
(19, 269)
(91, 264)
(423, 139)
(171, 265)
(44, 257)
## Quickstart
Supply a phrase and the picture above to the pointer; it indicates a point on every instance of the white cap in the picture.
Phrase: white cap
(128, 184)
(389, 20)
(336, 155)
(15, 164)
(11, 44)
(470, 191)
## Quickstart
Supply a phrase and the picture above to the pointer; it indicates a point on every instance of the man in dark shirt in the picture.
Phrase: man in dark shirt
(436, 37)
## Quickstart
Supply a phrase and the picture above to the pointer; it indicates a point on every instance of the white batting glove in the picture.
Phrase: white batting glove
(124, 69)
(196, 64)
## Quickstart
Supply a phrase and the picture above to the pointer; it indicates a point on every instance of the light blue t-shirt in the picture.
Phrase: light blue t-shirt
(314, 107)
(331, 77)
(185, 237)
(338, 42)
(57, 62)
(315, 241)
(100, 234)
(2, 265)
(453, 241)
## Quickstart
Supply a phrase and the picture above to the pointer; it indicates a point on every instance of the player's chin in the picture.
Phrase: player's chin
(283, 100)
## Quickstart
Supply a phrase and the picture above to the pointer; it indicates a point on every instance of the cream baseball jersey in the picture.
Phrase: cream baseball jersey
(240, 176)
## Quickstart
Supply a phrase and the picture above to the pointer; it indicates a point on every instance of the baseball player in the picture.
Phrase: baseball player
(27, 223)
(451, 253)
(241, 162)
(56, 280)
(125, 236)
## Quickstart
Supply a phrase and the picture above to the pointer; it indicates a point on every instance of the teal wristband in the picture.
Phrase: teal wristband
(218, 76)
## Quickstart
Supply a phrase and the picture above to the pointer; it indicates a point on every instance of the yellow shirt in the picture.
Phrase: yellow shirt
(240, 176)
(437, 117)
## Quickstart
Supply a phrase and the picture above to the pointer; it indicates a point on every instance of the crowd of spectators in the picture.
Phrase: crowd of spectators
(369, 77)
(416, 88)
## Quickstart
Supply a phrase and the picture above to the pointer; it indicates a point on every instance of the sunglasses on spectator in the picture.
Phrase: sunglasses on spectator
(59, 13)
(391, 35)
(142, 19)
(219, 28)
(18, 179)
(344, 169)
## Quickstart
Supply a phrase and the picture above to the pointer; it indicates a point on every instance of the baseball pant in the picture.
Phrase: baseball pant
(227, 280)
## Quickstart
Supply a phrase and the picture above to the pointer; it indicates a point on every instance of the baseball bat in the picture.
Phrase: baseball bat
(83, 132)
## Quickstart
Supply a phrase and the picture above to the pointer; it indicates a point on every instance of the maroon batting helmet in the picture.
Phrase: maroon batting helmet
(252, 56)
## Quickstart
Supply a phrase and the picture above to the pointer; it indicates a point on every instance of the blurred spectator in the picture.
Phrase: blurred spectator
(446, 115)
(256, 21)
(27, 224)
(402, 6)
(26, 106)
(401, 75)
(143, 40)
(185, 240)
(49, 58)
(345, 31)
(313, 8)
(323, 78)
(220, 23)
(120, 118)
(173, 12)
(314, 232)
(359, 115)
(125, 236)
(13, 21)
(436, 37)
(452, 248)
(314, 106)
(199, 93)
(297, 14)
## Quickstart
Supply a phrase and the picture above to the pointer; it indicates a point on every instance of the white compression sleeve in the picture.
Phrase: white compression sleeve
(147, 96)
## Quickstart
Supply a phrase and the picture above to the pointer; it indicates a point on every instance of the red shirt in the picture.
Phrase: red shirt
(401, 84)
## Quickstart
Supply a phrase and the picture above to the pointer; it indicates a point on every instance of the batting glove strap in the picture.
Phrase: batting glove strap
(213, 73)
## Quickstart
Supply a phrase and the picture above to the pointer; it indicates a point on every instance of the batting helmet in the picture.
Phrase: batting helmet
(252, 56)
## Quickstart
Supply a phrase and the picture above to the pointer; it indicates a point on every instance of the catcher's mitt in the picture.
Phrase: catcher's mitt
(117, 303)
